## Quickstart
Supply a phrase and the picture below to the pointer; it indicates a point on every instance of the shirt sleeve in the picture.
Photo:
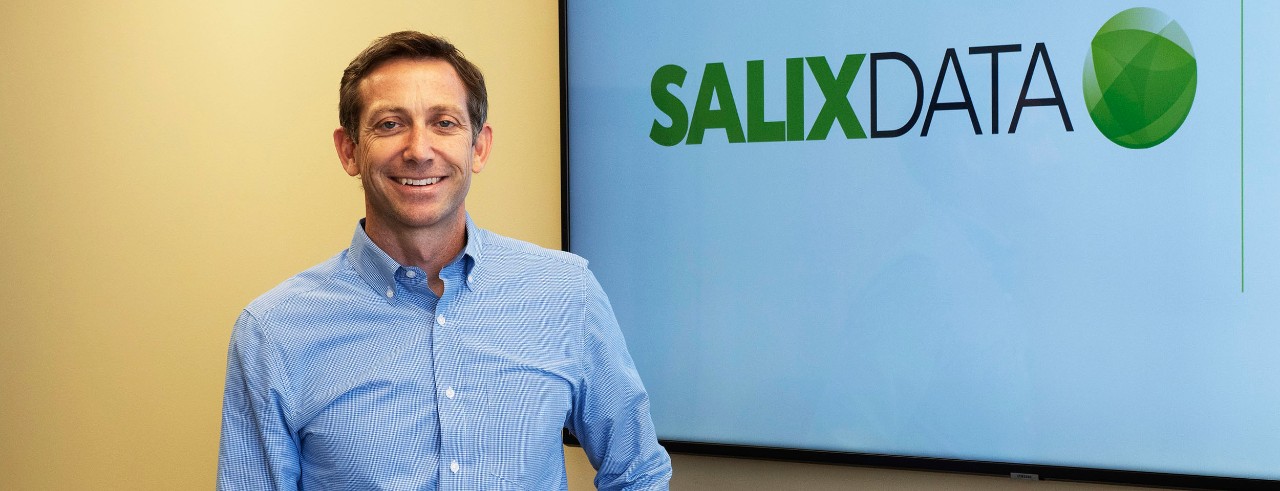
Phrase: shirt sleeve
(256, 451)
(611, 411)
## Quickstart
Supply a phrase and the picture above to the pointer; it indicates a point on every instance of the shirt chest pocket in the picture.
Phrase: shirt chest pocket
(520, 426)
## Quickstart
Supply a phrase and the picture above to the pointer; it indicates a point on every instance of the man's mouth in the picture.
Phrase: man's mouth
(419, 182)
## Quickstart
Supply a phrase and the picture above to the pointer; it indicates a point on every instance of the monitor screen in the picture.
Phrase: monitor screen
(1039, 233)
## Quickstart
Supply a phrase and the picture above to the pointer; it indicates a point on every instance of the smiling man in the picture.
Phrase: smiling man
(430, 354)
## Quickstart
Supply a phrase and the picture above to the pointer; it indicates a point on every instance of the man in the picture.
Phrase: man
(431, 354)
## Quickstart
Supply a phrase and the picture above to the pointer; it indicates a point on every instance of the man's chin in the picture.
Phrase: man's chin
(412, 222)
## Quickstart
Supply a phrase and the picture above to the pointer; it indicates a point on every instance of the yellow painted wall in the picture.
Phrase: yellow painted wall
(166, 162)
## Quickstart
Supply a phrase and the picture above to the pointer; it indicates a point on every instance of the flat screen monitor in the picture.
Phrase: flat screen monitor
(1008, 237)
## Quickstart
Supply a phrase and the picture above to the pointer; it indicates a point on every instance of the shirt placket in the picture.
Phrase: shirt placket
(410, 289)
(457, 460)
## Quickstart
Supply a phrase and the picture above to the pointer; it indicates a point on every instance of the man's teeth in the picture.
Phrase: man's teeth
(419, 182)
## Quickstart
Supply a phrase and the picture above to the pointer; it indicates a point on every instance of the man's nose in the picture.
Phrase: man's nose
(421, 145)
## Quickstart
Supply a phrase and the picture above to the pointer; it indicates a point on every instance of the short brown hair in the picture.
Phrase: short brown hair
(412, 45)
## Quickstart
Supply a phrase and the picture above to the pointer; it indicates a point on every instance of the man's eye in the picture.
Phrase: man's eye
(444, 123)
(388, 125)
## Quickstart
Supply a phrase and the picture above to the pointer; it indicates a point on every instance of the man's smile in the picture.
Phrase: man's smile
(419, 182)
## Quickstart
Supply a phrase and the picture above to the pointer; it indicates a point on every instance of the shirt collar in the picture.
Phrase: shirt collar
(472, 251)
(378, 269)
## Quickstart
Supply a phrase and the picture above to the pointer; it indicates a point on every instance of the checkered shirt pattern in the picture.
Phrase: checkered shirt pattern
(353, 375)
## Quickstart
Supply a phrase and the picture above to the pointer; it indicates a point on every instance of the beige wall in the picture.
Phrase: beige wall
(166, 162)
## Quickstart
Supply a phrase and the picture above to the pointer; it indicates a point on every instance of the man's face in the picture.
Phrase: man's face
(415, 152)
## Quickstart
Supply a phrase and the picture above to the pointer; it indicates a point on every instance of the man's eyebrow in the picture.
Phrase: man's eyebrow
(447, 109)
(377, 110)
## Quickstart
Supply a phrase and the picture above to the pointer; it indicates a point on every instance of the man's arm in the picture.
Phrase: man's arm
(257, 450)
(611, 413)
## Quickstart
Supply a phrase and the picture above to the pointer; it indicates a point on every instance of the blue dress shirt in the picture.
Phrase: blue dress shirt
(353, 375)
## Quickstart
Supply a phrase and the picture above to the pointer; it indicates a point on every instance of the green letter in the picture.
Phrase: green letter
(795, 99)
(759, 130)
(715, 82)
(836, 91)
(670, 105)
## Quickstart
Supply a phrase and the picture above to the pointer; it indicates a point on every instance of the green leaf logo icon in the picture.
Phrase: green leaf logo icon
(1139, 78)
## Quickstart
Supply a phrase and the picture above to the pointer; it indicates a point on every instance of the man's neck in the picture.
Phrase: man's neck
(430, 249)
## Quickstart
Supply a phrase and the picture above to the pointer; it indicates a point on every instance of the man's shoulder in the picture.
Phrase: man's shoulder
(504, 249)
(301, 285)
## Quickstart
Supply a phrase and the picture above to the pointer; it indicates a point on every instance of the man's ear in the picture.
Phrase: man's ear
(346, 148)
(480, 149)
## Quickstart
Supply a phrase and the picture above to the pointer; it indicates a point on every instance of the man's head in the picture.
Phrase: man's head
(412, 113)
(410, 45)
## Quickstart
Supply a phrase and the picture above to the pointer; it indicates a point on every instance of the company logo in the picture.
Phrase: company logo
(1139, 83)
(716, 107)
(1139, 78)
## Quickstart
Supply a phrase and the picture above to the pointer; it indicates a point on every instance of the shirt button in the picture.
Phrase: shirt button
(453, 466)
(440, 319)
(411, 273)
(471, 278)
(391, 293)
(449, 393)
